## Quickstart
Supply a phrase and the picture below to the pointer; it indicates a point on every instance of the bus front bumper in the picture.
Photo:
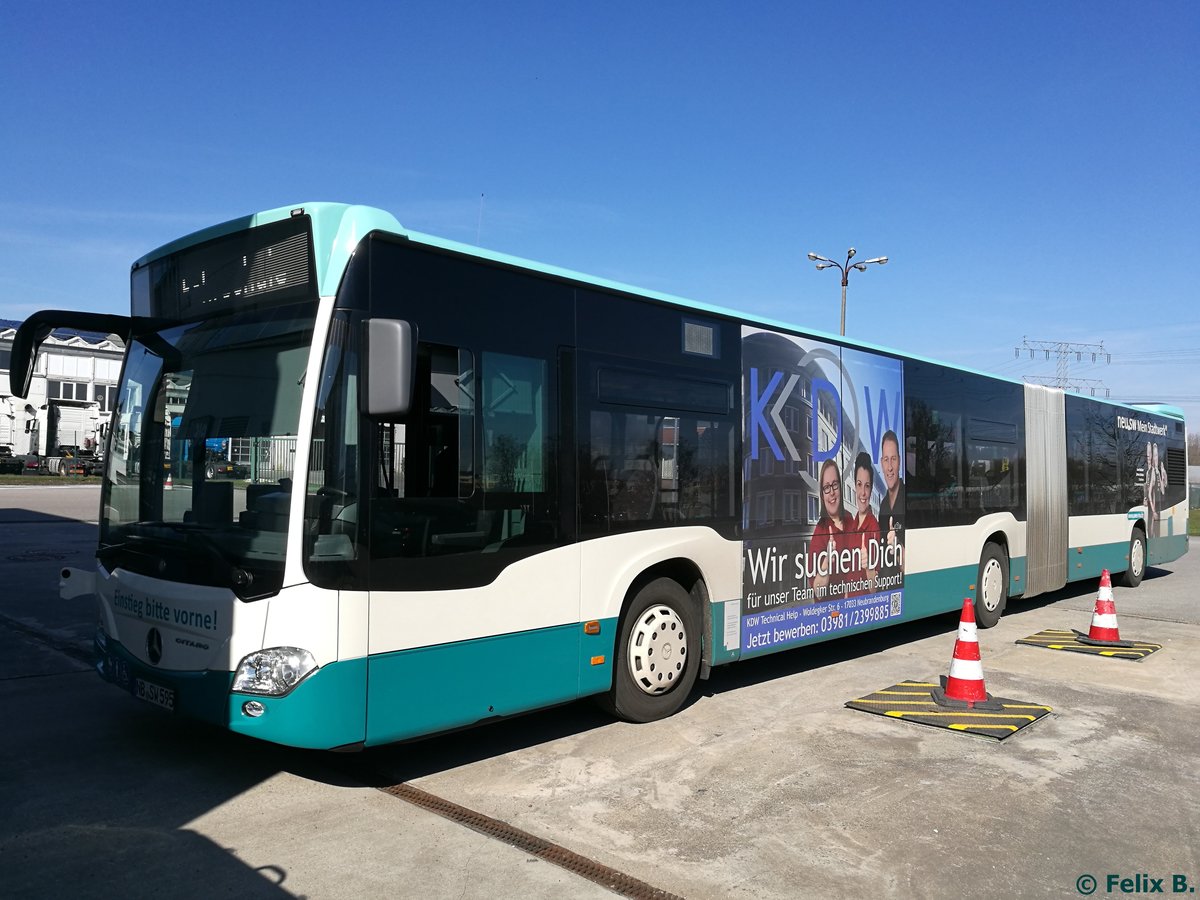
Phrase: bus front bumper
(325, 711)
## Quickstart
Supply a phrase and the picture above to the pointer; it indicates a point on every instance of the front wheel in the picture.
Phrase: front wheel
(1132, 576)
(991, 590)
(657, 654)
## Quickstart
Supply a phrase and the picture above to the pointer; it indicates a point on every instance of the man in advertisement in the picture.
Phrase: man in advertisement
(891, 508)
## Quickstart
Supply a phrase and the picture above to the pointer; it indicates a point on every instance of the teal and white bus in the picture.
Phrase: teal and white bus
(499, 485)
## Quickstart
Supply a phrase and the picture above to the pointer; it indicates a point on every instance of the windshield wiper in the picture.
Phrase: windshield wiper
(239, 578)
(108, 553)
(196, 540)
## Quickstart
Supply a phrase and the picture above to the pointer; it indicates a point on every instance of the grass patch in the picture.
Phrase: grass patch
(1194, 521)
(42, 480)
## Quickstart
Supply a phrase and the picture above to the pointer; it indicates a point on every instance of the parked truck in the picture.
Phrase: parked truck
(62, 437)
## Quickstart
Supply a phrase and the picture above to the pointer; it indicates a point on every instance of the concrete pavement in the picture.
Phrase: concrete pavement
(764, 785)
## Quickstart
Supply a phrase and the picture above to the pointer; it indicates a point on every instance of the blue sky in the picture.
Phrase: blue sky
(1030, 168)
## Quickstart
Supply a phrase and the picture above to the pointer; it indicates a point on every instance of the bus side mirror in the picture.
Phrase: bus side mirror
(25, 346)
(390, 368)
(34, 330)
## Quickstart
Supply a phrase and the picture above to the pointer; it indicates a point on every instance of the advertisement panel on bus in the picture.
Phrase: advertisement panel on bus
(824, 499)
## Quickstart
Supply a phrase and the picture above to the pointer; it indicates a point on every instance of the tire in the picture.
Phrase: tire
(1132, 576)
(991, 587)
(657, 656)
(210, 472)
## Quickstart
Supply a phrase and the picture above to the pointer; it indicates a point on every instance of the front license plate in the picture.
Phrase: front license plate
(154, 693)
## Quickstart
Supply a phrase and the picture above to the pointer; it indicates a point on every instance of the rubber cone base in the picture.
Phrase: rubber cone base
(940, 698)
(1093, 642)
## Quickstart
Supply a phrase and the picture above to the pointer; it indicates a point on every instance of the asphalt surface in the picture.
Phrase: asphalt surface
(763, 786)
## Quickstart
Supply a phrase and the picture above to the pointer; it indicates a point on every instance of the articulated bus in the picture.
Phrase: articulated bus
(509, 485)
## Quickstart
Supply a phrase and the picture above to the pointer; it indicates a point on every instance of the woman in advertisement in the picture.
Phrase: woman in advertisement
(835, 533)
(865, 523)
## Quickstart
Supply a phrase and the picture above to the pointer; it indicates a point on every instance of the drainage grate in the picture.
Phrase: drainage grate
(618, 882)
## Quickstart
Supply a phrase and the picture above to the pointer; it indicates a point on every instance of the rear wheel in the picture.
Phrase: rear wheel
(1132, 576)
(657, 653)
(991, 588)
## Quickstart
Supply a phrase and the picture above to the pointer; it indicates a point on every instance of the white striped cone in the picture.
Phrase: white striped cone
(1104, 618)
(966, 670)
(168, 486)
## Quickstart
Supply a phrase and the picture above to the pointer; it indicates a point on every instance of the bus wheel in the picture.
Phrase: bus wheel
(657, 654)
(1132, 576)
(991, 592)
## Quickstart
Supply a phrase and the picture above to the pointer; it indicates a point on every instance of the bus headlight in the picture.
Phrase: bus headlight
(273, 672)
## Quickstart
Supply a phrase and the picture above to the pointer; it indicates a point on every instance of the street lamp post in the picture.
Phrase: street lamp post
(844, 268)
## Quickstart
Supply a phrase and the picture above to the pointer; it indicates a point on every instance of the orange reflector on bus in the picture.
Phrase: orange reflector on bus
(592, 627)
(597, 660)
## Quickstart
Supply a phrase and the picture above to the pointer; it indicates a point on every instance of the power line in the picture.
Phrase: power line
(1078, 385)
(1063, 351)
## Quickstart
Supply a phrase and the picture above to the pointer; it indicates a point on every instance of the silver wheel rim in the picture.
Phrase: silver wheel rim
(1137, 558)
(991, 585)
(658, 649)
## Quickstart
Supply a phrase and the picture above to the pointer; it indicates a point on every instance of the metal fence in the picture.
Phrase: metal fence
(271, 459)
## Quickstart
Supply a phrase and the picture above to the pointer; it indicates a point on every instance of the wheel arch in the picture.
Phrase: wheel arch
(1132, 576)
(1000, 538)
(991, 597)
(688, 575)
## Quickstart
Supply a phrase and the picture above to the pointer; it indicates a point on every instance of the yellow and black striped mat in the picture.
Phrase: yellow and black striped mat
(1052, 639)
(911, 701)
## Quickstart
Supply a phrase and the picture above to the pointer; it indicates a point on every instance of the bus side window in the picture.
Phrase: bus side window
(644, 470)
(480, 489)
(992, 464)
(514, 423)
(934, 461)
(515, 453)
(445, 464)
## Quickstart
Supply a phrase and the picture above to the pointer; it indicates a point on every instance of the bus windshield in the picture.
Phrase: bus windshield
(199, 471)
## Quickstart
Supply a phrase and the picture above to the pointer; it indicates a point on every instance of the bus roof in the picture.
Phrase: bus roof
(339, 227)
(337, 230)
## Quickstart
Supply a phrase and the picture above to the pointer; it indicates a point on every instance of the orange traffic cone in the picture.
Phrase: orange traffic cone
(964, 689)
(1104, 631)
(168, 486)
